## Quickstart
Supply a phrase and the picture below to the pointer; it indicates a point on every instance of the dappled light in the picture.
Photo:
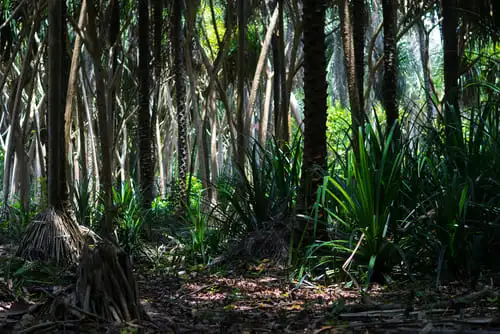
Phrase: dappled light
(238, 166)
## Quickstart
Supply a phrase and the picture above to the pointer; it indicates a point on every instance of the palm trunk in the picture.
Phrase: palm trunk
(180, 90)
(453, 126)
(104, 128)
(390, 84)
(315, 107)
(240, 114)
(56, 100)
(351, 65)
(145, 135)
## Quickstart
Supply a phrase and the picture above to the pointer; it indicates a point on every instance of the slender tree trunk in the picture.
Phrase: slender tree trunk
(315, 107)
(261, 61)
(158, 61)
(180, 90)
(58, 75)
(213, 141)
(240, 114)
(104, 128)
(264, 115)
(83, 147)
(284, 114)
(359, 17)
(426, 71)
(275, 45)
(72, 85)
(15, 140)
(145, 135)
(351, 52)
(452, 122)
(390, 84)
(113, 35)
(91, 141)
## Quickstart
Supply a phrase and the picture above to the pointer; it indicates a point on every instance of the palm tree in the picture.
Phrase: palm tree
(240, 115)
(145, 134)
(352, 17)
(58, 74)
(390, 84)
(315, 107)
(52, 235)
(464, 22)
(450, 68)
(180, 90)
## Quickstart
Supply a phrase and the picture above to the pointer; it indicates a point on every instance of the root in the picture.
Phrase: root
(106, 286)
(52, 237)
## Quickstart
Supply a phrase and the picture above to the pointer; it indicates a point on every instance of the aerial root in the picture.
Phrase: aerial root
(52, 236)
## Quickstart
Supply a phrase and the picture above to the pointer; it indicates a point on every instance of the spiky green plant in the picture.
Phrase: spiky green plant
(266, 192)
(363, 201)
(83, 203)
(129, 217)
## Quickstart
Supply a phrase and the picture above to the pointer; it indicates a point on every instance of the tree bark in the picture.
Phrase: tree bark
(426, 71)
(354, 78)
(72, 82)
(240, 114)
(283, 111)
(56, 99)
(315, 106)
(452, 122)
(145, 135)
(104, 128)
(390, 84)
(180, 93)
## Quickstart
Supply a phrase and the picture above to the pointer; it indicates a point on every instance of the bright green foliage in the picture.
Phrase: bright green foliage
(338, 128)
(267, 192)
(210, 42)
(204, 241)
(195, 192)
(83, 204)
(363, 200)
(19, 218)
(23, 273)
(129, 217)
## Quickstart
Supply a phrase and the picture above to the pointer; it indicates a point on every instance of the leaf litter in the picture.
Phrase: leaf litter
(261, 299)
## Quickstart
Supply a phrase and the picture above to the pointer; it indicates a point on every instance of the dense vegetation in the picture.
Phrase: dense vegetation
(354, 142)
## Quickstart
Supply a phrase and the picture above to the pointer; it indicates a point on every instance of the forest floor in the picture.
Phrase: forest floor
(260, 299)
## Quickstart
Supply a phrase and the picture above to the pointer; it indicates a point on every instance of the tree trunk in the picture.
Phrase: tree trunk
(158, 59)
(353, 67)
(145, 135)
(240, 114)
(283, 111)
(390, 84)
(260, 63)
(452, 122)
(72, 85)
(104, 128)
(315, 106)
(56, 100)
(180, 90)
(426, 71)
